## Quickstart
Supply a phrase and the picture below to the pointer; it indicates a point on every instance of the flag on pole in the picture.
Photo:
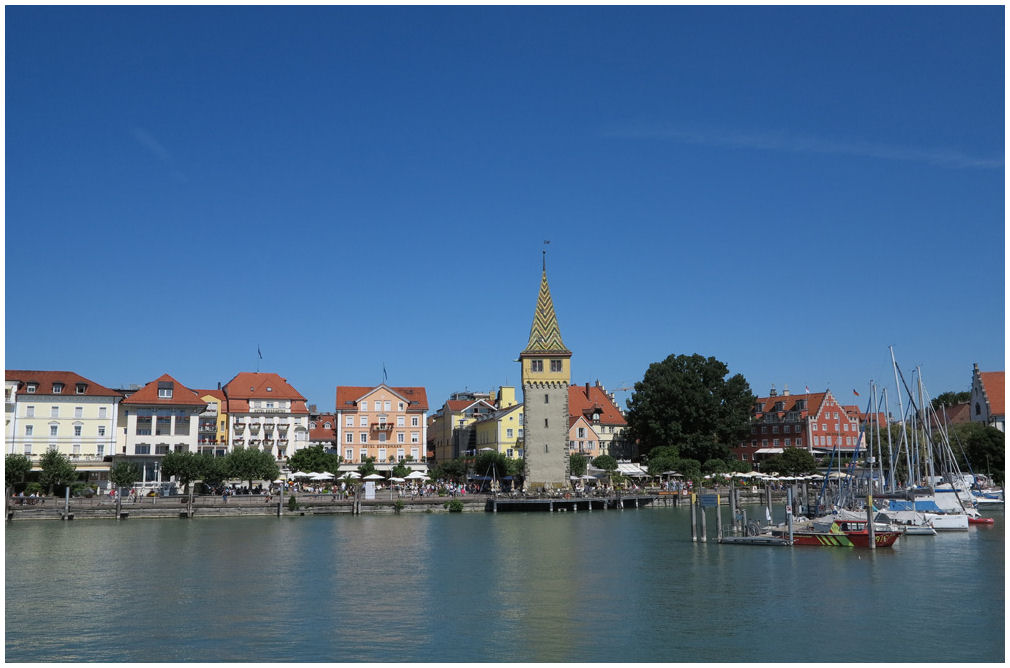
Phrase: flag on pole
(854, 392)
(258, 351)
(384, 376)
(806, 388)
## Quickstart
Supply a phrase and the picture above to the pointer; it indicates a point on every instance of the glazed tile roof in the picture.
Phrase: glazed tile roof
(148, 395)
(348, 395)
(545, 335)
(583, 402)
(70, 380)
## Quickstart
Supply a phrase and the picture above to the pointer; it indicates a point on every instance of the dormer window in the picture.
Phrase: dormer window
(82, 388)
(57, 388)
(30, 388)
(165, 389)
(270, 389)
(327, 425)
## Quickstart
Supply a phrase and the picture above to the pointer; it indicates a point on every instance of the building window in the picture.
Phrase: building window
(547, 398)
(349, 421)
(815, 426)
(536, 365)
(30, 388)
(363, 454)
(363, 406)
(28, 449)
(386, 405)
(57, 388)
(415, 437)
(978, 408)
(764, 430)
(382, 437)
(556, 365)
(582, 432)
(399, 406)
(401, 437)
(29, 411)
(363, 438)
(349, 437)
(54, 411)
(161, 449)
(327, 425)
(787, 443)
(53, 430)
(164, 393)
(349, 454)
(270, 405)
(101, 430)
(143, 449)
(78, 411)
(82, 388)
(382, 454)
(413, 421)
(29, 429)
(102, 412)
(101, 449)
(545, 423)
(77, 430)
(400, 421)
(508, 433)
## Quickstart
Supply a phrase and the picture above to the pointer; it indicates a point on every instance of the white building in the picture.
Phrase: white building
(61, 410)
(266, 413)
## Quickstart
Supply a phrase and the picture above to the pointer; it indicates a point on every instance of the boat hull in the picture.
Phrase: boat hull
(845, 539)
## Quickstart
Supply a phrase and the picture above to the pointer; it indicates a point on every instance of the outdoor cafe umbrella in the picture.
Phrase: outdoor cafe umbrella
(416, 475)
(299, 474)
(323, 476)
(373, 476)
(351, 474)
(397, 479)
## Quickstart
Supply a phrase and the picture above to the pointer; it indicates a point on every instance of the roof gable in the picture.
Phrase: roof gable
(348, 396)
(255, 385)
(545, 335)
(181, 395)
(579, 403)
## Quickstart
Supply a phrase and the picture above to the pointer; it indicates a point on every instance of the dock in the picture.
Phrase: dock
(563, 504)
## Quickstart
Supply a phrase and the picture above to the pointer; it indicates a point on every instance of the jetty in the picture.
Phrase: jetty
(561, 504)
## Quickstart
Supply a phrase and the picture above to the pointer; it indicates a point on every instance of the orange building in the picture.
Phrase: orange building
(386, 423)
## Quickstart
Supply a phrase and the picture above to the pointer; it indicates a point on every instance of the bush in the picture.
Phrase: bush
(398, 506)
(455, 506)
(292, 503)
(33, 487)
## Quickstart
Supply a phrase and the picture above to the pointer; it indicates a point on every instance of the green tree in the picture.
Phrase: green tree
(213, 470)
(16, 469)
(400, 471)
(315, 458)
(661, 459)
(739, 466)
(687, 401)
(714, 466)
(578, 463)
(123, 474)
(454, 469)
(367, 466)
(983, 446)
(792, 461)
(185, 466)
(950, 399)
(492, 464)
(57, 470)
(252, 464)
(605, 462)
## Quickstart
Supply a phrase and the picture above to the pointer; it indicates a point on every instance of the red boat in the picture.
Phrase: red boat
(839, 533)
(980, 520)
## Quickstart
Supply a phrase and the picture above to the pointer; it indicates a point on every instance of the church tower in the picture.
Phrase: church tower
(546, 374)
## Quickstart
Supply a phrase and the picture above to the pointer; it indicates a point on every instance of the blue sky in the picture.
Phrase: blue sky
(790, 190)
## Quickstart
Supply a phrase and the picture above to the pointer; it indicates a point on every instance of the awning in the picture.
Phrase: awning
(633, 470)
(769, 451)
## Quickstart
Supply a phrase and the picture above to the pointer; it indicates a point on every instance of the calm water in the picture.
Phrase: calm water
(601, 586)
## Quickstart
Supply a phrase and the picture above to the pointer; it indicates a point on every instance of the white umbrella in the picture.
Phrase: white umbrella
(351, 474)
(397, 479)
(416, 475)
(373, 476)
(299, 474)
(588, 477)
(323, 476)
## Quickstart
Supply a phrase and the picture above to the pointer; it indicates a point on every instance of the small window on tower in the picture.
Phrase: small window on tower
(547, 398)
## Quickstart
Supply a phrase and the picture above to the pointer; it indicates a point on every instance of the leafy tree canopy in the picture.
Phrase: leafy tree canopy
(316, 459)
(124, 474)
(400, 471)
(578, 463)
(687, 401)
(605, 462)
(984, 447)
(490, 463)
(792, 461)
(454, 469)
(252, 464)
(57, 470)
(714, 466)
(16, 469)
(185, 466)
(367, 466)
(950, 399)
(213, 470)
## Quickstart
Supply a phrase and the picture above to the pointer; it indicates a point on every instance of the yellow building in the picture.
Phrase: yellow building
(451, 431)
(502, 431)
(213, 429)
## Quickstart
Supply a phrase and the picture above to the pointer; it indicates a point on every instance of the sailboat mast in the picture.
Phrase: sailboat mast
(901, 412)
(890, 452)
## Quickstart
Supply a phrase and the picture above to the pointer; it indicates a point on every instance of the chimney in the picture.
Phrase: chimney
(785, 391)
(587, 389)
(773, 392)
(219, 385)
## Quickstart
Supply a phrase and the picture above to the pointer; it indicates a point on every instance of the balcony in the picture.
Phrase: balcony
(238, 441)
(283, 428)
(239, 427)
(382, 426)
(254, 428)
(268, 441)
(282, 441)
(268, 427)
(253, 442)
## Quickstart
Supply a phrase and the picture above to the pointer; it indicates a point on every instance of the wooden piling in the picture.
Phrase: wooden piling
(704, 529)
(869, 522)
(694, 528)
(718, 518)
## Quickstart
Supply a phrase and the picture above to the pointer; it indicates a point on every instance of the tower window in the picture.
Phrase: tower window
(545, 423)
(536, 365)
(556, 365)
(547, 398)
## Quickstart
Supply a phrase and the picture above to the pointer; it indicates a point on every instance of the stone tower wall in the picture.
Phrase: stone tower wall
(546, 446)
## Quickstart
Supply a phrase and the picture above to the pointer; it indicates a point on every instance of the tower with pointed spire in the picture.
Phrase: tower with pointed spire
(546, 374)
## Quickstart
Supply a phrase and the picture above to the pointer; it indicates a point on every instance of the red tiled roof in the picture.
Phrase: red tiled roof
(217, 394)
(321, 433)
(45, 379)
(348, 394)
(181, 395)
(814, 402)
(995, 391)
(460, 405)
(580, 404)
(253, 385)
